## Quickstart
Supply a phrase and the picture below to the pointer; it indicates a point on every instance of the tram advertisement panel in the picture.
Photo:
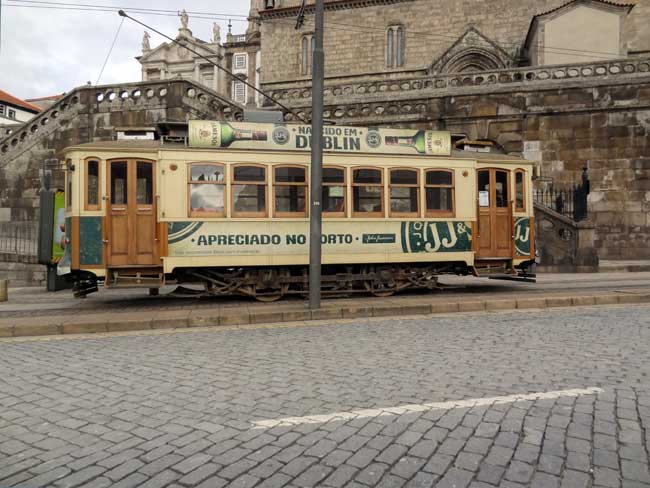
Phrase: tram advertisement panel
(295, 137)
(58, 232)
(285, 238)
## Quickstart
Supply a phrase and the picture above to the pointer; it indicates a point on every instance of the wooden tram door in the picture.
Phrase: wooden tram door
(131, 214)
(494, 214)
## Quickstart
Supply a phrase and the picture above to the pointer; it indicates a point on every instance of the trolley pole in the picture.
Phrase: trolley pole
(315, 217)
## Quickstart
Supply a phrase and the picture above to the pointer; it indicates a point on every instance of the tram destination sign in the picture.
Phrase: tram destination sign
(295, 137)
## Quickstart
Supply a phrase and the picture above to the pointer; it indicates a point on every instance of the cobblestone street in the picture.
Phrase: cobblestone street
(551, 398)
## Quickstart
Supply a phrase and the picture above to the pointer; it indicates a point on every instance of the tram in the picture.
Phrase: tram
(228, 209)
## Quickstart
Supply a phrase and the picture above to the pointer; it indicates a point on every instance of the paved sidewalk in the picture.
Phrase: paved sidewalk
(33, 312)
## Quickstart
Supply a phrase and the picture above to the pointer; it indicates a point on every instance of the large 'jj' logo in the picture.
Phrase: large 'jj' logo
(522, 236)
(436, 237)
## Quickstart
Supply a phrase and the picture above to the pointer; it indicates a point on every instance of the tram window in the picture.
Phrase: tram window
(501, 188)
(333, 200)
(368, 192)
(249, 191)
(520, 201)
(207, 190)
(290, 189)
(144, 183)
(404, 192)
(439, 192)
(119, 194)
(92, 184)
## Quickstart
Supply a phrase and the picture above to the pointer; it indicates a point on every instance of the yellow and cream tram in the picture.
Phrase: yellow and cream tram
(229, 211)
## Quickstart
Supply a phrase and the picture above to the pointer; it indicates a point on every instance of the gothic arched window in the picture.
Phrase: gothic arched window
(306, 52)
(395, 46)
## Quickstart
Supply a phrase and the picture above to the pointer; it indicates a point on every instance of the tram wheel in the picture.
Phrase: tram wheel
(269, 286)
(384, 284)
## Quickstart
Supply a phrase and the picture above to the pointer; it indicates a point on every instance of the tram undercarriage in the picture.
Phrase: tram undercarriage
(270, 284)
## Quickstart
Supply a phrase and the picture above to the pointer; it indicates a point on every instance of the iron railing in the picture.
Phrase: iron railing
(570, 202)
(19, 242)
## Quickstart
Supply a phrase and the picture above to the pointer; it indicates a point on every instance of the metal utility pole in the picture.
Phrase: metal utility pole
(315, 217)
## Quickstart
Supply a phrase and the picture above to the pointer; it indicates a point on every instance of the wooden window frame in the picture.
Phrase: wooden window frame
(375, 215)
(291, 215)
(523, 190)
(333, 215)
(264, 183)
(390, 195)
(98, 205)
(198, 213)
(440, 213)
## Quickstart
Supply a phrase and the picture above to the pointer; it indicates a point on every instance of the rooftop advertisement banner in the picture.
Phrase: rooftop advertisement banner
(295, 137)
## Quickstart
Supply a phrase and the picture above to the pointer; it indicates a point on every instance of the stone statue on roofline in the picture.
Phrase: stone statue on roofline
(216, 33)
(146, 46)
(184, 19)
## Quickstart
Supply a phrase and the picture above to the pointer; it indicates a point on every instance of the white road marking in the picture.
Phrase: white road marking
(402, 409)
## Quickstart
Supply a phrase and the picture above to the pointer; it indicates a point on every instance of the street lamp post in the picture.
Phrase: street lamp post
(315, 217)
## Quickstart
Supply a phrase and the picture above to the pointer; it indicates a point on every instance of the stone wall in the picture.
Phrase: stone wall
(637, 29)
(89, 114)
(355, 32)
(23, 274)
(605, 129)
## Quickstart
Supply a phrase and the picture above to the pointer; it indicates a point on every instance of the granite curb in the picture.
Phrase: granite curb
(278, 313)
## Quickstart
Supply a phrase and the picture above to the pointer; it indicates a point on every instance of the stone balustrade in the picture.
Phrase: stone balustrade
(236, 38)
(108, 98)
(422, 84)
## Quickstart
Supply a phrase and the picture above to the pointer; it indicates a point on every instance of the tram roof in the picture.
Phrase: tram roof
(156, 145)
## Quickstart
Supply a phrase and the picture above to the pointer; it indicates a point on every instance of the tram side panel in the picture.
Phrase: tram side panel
(228, 241)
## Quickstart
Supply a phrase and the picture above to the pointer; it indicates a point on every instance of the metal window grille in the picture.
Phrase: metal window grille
(19, 242)
(240, 61)
(239, 92)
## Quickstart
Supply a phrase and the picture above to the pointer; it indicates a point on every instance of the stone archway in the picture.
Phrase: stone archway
(472, 59)
(472, 52)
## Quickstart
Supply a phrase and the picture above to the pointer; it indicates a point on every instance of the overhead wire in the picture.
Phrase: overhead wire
(113, 10)
(243, 18)
(130, 8)
(101, 72)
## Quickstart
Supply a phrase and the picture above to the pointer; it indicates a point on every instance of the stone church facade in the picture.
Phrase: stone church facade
(238, 53)
(564, 83)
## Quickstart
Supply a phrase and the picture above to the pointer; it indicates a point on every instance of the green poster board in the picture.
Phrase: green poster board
(58, 232)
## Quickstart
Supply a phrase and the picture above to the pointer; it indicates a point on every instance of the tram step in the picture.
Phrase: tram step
(134, 279)
(510, 277)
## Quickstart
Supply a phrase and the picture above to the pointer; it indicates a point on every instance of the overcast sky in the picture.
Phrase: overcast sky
(50, 51)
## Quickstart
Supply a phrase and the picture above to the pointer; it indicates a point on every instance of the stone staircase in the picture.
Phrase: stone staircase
(564, 245)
